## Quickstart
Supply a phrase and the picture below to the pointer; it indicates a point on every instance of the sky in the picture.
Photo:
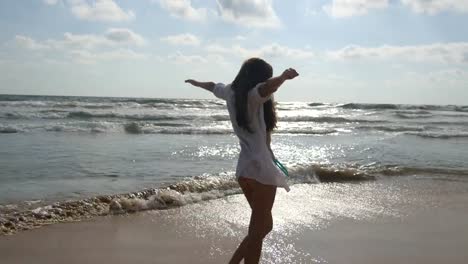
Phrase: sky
(369, 51)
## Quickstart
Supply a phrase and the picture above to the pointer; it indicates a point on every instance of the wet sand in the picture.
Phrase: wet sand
(337, 223)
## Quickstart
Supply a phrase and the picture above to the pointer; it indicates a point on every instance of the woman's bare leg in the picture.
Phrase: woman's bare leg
(261, 222)
(247, 189)
(261, 198)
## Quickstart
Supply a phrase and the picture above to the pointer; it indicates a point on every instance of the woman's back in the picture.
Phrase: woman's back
(255, 159)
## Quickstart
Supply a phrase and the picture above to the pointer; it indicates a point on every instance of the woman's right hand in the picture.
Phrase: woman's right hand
(289, 74)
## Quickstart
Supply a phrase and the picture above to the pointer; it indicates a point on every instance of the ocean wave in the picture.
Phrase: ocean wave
(426, 114)
(62, 128)
(221, 117)
(9, 130)
(145, 100)
(156, 117)
(316, 119)
(169, 103)
(113, 104)
(191, 190)
(53, 111)
(163, 124)
(353, 173)
(97, 106)
(12, 98)
(137, 127)
(12, 116)
(132, 128)
(173, 129)
(178, 194)
(193, 131)
(414, 112)
(440, 135)
(306, 131)
(358, 106)
(326, 119)
(186, 129)
(143, 117)
(26, 104)
(449, 123)
(407, 171)
(413, 116)
(316, 104)
(369, 106)
(455, 115)
(462, 108)
(83, 114)
(325, 174)
(392, 128)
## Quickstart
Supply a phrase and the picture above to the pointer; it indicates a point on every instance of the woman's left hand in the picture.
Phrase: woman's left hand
(192, 82)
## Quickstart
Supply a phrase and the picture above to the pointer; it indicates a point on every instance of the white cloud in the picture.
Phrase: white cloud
(184, 9)
(182, 39)
(82, 41)
(114, 37)
(438, 52)
(184, 59)
(90, 57)
(99, 10)
(349, 8)
(216, 48)
(249, 13)
(310, 11)
(275, 50)
(124, 36)
(89, 48)
(29, 43)
(180, 58)
(436, 6)
(268, 51)
(240, 38)
(51, 2)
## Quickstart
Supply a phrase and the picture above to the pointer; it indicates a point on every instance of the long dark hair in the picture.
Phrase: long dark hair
(253, 72)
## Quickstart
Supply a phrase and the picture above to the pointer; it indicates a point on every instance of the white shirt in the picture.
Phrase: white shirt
(255, 160)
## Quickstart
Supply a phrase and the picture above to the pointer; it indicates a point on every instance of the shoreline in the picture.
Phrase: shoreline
(164, 197)
(189, 191)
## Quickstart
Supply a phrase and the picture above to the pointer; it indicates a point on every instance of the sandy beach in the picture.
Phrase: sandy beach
(405, 223)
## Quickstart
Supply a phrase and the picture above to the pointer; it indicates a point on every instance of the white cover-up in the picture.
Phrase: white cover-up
(255, 160)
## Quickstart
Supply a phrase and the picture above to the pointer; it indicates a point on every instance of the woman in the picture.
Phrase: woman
(253, 117)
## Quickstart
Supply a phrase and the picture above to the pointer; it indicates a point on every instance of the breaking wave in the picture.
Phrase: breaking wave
(405, 107)
(171, 127)
(9, 130)
(326, 119)
(144, 117)
(439, 135)
(316, 104)
(391, 128)
(192, 190)
(413, 116)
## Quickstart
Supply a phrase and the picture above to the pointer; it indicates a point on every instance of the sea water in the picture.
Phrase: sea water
(55, 149)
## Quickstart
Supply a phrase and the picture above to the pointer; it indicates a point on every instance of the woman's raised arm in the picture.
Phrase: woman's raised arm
(272, 84)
